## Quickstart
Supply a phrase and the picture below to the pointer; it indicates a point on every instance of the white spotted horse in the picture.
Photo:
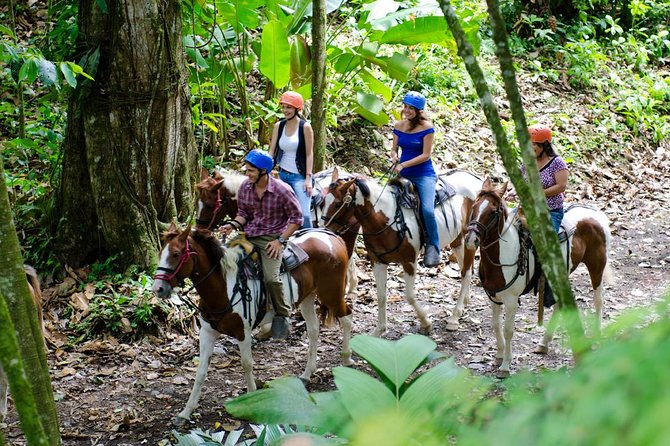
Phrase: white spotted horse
(507, 266)
(217, 201)
(392, 232)
(231, 299)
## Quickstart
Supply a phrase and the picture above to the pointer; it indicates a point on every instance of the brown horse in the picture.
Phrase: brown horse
(217, 200)
(36, 293)
(506, 268)
(392, 234)
(230, 301)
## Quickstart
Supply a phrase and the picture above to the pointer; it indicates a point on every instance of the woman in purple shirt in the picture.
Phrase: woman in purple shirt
(414, 135)
(553, 171)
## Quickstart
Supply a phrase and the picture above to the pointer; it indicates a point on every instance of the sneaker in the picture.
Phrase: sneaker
(431, 257)
(280, 327)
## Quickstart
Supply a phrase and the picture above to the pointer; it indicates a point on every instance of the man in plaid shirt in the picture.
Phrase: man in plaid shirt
(270, 213)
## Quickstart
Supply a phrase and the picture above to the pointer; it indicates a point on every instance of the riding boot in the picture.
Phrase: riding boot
(431, 256)
(548, 296)
(280, 327)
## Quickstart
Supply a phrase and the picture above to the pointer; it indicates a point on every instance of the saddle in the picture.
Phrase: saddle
(407, 197)
(292, 257)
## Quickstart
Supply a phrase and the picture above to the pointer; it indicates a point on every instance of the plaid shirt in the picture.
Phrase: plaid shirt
(270, 214)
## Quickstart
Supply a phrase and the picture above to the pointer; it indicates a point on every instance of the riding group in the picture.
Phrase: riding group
(280, 259)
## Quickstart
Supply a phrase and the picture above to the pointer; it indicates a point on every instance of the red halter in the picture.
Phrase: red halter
(171, 273)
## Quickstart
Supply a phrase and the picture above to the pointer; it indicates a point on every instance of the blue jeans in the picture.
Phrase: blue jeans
(297, 183)
(425, 186)
(556, 218)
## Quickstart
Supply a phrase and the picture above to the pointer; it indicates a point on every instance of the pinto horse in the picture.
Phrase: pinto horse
(392, 234)
(217, 200)
(506, 268)
(227, 305)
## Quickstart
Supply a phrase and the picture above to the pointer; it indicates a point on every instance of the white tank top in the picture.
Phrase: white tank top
(289, 145)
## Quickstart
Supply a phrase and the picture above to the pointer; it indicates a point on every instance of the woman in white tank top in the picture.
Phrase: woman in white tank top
(292, 148)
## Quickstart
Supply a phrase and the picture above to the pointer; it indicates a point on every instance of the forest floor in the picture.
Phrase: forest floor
(111, 393)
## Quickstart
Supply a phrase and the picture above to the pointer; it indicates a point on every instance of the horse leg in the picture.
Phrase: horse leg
(345, 322)
(352, 278)
(308, 311)
(380, 272)
(426, 326)
(496, 325)
(549, 332)
(206, 339)
(598, 297)
(465, 259)
(510, 304)
(3, 394)
(247, 360)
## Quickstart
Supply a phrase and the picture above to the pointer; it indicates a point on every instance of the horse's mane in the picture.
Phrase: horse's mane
(209, 242)
(491, 192)
(232, 181)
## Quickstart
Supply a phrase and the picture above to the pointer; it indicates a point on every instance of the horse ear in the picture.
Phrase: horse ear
(217, 186)
(347, 184)
(487, 183)
(335, 175)
(203, 174)
(185, 233)
(172, 227)
(218, 175)
(503, 189)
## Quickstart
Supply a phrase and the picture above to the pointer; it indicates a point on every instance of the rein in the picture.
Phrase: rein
(217, 209)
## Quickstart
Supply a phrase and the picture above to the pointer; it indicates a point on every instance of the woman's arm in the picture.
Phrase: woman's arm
(273, 140)
(561, 178)
(309, 155)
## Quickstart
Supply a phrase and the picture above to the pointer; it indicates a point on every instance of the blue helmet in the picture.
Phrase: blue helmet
(260, 160)
(415, 99)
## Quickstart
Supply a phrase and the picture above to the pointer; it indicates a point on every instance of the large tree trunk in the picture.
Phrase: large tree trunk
(129, 153)
(318, 116)
(21, 338)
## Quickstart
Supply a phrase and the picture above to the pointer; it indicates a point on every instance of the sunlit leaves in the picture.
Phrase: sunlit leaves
(275, 54)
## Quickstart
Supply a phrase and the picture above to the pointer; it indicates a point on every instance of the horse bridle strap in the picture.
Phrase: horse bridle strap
(171, 273)
(217, 208)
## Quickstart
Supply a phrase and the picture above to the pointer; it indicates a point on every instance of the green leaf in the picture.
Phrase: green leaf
(361, 394)
(432, 29)
(275, 54)
(399, 66)
(29, 70)
(301, 62)
(284, 401)
(210, 125)
(377, 86)
(6, 31)
(47, 72)
(347, 62)
(425, 389)
(102, 4)
(396, 360)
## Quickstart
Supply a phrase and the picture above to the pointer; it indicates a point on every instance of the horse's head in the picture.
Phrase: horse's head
(177, 261)
(338, 207)
(488, 212)
(215, 201)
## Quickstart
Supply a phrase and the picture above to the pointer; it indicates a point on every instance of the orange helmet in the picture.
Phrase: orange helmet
(293, 99)
(539, 133)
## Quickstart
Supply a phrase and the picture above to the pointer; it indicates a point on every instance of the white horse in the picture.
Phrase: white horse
(392, 234)
(506, 268)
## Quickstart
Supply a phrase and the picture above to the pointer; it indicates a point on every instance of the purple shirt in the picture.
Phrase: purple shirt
(548, 179)
(271, 214)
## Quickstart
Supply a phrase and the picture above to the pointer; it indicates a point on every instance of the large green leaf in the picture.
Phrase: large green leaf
(333, 415)
(285, 401)
(29, 70)
(377, 86)
(347, 62)
(426, 388)
(240, 13)
(371, 108)
(301, 62)
(432, 29)
(361, 394)
(47, 72)
(275, 54)
(396, 360)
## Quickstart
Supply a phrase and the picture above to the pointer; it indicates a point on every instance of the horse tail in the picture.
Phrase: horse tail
(608, 275)
(327, 317)
(35, 291)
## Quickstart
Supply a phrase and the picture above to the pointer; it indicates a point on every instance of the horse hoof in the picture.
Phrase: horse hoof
(179, 421)
(348, 361)
(305, 380)
(426, 330)
(377, 333)
(498, 362)
(502, 374)
(452, 326)
(541, 350)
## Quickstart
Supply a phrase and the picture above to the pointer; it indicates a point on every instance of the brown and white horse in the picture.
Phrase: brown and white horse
(217, 200)
(505, 278)
(36, 293)
(392, 235)
(226, 294)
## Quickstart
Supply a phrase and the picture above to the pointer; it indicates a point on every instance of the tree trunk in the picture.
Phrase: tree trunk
(21, 338)
(531, 193)
(129, 154)
(318, 116)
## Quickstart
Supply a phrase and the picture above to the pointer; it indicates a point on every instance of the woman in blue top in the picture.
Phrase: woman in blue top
(414, 135)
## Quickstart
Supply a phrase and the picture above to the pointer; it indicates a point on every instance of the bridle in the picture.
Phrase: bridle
(171, 273)
(215, 212)
(481, 230)
(347, 202)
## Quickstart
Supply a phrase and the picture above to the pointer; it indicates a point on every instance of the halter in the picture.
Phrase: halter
(217, 208)
(347, 201)
(482, 230)
(171, 273)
